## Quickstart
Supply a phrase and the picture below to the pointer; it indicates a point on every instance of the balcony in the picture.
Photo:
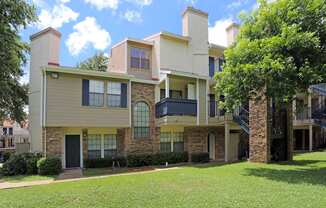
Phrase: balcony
(176, 107)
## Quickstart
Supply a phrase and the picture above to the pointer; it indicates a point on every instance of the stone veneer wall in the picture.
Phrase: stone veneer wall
(141, 92)
(195, 140)
(53, 141)
(259, 138)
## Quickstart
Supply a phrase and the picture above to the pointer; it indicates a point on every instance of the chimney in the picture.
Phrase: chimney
(195, 26)
(231, 32)
(45, 46)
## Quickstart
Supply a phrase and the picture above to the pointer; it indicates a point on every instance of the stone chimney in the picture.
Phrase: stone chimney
(195, 26)
(45, 47)
(231, 32)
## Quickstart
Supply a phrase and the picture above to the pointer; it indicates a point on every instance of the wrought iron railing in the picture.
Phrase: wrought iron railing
(10, 141)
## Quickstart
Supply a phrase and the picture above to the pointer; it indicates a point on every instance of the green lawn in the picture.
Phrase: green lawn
(298, 184)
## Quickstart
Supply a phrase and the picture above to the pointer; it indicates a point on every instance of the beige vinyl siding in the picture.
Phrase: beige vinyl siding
(118, 59)
(202, 101)
(64, 106)
(177, 120)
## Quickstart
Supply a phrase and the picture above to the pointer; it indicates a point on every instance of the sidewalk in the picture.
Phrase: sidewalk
(10, 185)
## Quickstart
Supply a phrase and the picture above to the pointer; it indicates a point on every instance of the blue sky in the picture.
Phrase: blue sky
(89, 26)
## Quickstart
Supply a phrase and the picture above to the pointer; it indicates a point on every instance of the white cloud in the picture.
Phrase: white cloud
(103, 4)
(132, 16)
(237, 3)
(141, 2)
(217, 33)
(87, 32)
(59, 15)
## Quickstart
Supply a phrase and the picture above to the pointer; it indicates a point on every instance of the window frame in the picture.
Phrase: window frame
(141, 131)
(171, 139)
(113, 94)
(139, 58)
(92, 94)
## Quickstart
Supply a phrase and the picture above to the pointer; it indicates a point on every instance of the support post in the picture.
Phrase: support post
(227, 140)
(309, 105)
(310, 138)
(167, 87)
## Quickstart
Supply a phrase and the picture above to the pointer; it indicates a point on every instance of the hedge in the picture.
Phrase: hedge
(202, 157)
(49, 166)
(156, 159)
(104, 162)
(21, 164)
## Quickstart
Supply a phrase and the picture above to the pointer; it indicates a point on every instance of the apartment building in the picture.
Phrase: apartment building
(157, 95)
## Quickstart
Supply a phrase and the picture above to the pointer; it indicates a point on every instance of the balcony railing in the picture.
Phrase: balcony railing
(304, 113)
(10, 141)
(176, 107)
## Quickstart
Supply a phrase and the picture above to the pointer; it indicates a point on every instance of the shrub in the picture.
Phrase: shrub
(15, 165)
(104, 162)
(31, 162)
(202, 157)
(6, 156)
(49, 166)
(156, 159)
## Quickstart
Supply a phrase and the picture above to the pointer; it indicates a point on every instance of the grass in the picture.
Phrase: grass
(301, 183)
(24, 178)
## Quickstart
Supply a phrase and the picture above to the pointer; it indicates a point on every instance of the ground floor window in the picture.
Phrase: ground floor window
(171, 142)
(110, 145)
(101, 145)
(94, 146)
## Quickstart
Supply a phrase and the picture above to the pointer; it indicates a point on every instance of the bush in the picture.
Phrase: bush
(6, 156)
(156, 159)
(104, 162)
(49, 166)
(31, 162)
(15, 165)
(202, 157)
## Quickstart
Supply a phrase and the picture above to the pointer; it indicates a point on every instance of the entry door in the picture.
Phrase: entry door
(72, 151)
(211, 146)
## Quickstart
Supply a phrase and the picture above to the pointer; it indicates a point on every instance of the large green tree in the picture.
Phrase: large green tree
(14, 16)
(98, 62)
(280, 50)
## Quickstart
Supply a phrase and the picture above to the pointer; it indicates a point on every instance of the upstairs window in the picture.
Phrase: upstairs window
(96, 93)
(139, 58)
(211, 66)
(114, 94)
(141, 120)
(220, 64)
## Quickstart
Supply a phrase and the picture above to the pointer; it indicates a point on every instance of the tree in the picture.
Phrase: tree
(98, 62)
(14, 16)
(280, 50)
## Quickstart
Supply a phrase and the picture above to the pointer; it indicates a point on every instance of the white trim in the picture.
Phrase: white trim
(63, 160)
(129, 101)
(197, 98)
(207, 100)
(167, 87)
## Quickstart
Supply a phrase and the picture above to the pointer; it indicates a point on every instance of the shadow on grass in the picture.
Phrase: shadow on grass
(213, 164)
(309, 175)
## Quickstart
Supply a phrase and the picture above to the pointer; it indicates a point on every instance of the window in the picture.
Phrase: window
(220, 64)
(94, 146)
(171, 142)
(139, 58)
(114, 94)
(96, 93)
(176, 94)
(110, 145)
(141, 120)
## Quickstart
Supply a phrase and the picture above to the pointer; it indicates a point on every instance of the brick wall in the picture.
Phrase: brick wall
(195, 139)
(259, 139)
(146, 93)
(54, 141)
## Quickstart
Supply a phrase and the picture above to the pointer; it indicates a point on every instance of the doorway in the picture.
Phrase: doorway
(211, 146)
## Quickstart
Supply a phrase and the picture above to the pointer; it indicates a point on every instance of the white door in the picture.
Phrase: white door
(191, 92)
(211, 146)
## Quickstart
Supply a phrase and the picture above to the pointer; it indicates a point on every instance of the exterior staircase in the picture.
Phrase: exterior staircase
(241, 117)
